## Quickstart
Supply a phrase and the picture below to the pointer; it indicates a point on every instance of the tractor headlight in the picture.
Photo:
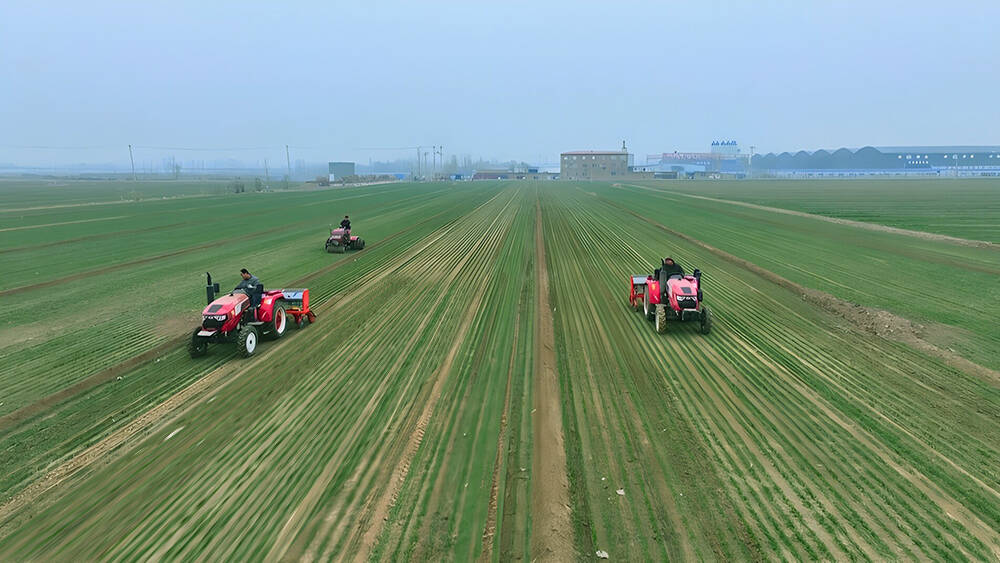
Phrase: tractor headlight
(218, 317)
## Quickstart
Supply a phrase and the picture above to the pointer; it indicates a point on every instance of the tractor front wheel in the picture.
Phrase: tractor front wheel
(198, 346)
(279, 321)
(706, 321)
(246, 341)
(661, 319)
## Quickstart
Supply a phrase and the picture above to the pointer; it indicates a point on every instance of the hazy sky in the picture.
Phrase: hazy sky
(510, 79)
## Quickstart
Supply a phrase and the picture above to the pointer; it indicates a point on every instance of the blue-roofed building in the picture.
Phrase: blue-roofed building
(960, 160)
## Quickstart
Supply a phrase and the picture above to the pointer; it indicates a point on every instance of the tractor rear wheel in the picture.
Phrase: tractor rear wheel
(246, 341)
(198, 346)
(279, 321)
(648, 309)
(661, 319)
(360, 245)
(706, 320)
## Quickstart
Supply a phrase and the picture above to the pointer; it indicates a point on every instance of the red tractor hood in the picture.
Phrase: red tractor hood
(686, 286)
(229, 305)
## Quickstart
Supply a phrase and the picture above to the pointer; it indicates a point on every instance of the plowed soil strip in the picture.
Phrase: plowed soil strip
(552, 534)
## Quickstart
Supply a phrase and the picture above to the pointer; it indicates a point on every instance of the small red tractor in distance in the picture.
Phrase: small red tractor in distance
(673, 298)
(244, 319)
(341, 240)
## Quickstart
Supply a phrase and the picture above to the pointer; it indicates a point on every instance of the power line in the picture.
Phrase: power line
(46, 147)
(208, 148)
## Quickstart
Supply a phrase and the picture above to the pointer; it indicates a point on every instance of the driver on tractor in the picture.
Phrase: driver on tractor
(346, 223)
(669, 268)
(251, 286)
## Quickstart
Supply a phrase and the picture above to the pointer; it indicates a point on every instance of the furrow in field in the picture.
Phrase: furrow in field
(550, 506)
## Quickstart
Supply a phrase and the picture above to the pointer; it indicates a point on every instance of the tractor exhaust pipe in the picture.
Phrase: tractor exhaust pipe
(211, 289)
(697, 277)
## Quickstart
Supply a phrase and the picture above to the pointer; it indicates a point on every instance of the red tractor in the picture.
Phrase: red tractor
(244, 319)
(341, 240)
(670, 298)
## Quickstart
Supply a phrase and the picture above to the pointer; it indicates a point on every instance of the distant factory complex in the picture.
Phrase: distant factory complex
(726, 159)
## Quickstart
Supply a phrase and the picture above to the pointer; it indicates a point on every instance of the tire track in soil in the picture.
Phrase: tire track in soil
(489, 532)
(120, 442)
(552, 532)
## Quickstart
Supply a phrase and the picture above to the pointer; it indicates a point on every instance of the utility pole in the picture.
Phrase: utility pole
(288, 161)
(132, 159)
(418, 162)
(267, 174)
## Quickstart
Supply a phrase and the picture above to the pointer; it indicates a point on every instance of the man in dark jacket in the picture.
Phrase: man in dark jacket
(249, 285)
(669, 268)
(346, 223)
